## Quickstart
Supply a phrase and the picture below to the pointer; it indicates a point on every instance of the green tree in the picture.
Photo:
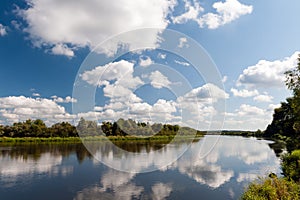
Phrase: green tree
(293, 78)
(293, 83)
(63, 129)
(1, 130)
(283, 120)
(107, 128)
(286, 119)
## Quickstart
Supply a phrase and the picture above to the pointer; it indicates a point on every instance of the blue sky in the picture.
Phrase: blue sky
(45, 55)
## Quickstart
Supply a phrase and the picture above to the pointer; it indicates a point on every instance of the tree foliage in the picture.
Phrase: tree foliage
(122, 127)
(286, 119)
(285, 126)
(291, 165)
(293, 78)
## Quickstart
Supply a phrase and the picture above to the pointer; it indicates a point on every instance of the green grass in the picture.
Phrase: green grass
(92, 138)
(38, 139)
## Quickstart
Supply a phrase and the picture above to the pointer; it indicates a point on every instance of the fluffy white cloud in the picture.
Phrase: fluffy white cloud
(198, 105)
(207, 92)
(271, 107)
(68, 99)
(267, 73)
(158, 80)
(145, 62)
(2, 30)
(163, 106)
(248, 117)
(182, 63)
(263, 98)
(183, 42)
(86, 24)
(119, 86)
(121, 72)
(36, 94)
(192, 12)
(20, 108)
(246, 109)
(62, 49)
(227, 12)
(243, 93)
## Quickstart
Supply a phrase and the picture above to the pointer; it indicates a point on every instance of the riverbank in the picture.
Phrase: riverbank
(95, 138)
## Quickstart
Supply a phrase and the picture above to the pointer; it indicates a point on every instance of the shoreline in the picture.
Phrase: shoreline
(20, 140)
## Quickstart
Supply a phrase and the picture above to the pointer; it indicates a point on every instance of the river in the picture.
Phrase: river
(214, 167)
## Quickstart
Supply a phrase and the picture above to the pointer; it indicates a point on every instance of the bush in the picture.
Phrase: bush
(272, 188)
(291, 165)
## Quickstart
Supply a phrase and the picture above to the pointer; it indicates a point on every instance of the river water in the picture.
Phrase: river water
(214, 167)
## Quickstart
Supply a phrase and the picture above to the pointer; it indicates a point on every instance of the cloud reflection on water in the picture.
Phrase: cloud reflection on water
(205, 167)
(231, 160)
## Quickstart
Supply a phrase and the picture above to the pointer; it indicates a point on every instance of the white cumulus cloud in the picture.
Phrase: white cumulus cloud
(62, 49)
(182, 63)
(263, 98)
(207, 91)
(246, 109)
(192, 12)
(226, 12)
(145, 62)
(121, 71)
(243, 92)
(21, 108)
(267, 73)
(36, 94)
(80, 23)
(158, 80)
(68, 99)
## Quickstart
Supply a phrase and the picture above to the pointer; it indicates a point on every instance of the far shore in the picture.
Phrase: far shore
(96, 138)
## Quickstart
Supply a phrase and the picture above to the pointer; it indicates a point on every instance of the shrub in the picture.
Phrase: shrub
(291, 165)
(272, 188)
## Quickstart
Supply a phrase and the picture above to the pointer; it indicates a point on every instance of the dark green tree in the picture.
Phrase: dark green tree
(63, 129)
(286, 119)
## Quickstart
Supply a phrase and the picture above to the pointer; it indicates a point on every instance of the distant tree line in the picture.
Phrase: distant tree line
(37, 128)
(122, 127)
(257, 133)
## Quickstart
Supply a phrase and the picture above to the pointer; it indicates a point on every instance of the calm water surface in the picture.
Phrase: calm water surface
(216, 167)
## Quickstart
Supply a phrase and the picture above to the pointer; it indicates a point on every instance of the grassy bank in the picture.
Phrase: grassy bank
(93, 138)
(38, 139)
